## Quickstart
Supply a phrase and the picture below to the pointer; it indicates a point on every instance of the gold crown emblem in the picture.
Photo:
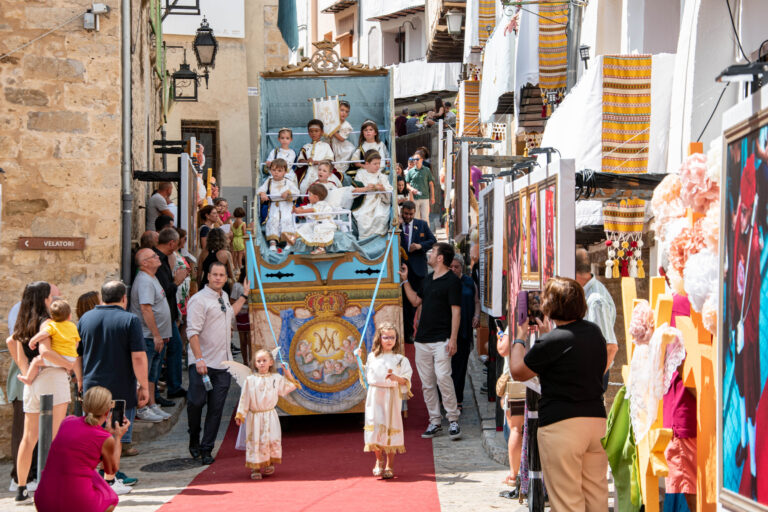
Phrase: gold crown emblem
(326, 304)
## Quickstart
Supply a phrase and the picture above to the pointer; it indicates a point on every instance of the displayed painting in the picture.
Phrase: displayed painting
(743, 329)
(547, 200)
(512, 236)
(529, 239)
(488, 275)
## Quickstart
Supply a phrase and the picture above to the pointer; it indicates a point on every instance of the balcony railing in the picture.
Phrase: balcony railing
(334, 6)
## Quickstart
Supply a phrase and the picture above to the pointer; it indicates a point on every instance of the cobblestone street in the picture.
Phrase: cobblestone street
(466, 477)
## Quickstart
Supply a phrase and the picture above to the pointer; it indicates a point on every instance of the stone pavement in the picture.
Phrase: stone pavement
(467, 479)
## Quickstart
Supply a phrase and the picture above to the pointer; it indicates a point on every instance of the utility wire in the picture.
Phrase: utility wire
(735, 32)
(713, 110)
(57, 27)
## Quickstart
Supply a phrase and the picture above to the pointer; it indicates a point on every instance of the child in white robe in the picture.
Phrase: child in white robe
(388, 373)
(318, 231)
(256, 409)
(369, 140)
(373, 215)
(284, 137)
(279, 192)
(311, 154)
(342, 147)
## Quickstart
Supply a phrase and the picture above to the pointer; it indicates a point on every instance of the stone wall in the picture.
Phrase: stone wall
(60, 135)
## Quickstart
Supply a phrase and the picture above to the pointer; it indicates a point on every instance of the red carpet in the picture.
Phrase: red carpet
(324, 469)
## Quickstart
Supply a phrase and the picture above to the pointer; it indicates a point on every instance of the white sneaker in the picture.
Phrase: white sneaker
(147, 414)
(157, 410)
(120, 488)
(13, 487)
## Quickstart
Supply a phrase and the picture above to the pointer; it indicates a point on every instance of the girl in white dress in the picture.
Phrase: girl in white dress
(284, 137)
(256, 409)
(388, 373)
(312, 153)
(318, 231)
(373, 214)
(369, 140)
(342, 148)
(280, 225)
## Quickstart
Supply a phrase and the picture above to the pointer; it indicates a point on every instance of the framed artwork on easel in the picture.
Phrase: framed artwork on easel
(530, 214)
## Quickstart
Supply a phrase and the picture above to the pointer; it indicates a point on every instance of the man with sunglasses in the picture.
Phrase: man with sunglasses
(209, 330)
(420, 178)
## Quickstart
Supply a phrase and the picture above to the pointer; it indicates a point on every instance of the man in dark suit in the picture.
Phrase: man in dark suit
(415, 239)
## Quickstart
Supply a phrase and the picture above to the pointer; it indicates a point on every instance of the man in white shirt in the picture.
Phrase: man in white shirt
(209, 330)
(601, 309)
(158, 204)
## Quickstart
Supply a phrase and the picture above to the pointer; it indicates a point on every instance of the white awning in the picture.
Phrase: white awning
(419, 77)
(575, 128)
(498, 71)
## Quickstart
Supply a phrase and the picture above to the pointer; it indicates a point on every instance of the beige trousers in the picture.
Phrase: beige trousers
(422, 209)
(575, 465)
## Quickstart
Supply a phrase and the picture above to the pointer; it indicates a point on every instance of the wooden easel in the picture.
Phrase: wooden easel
(698, 375)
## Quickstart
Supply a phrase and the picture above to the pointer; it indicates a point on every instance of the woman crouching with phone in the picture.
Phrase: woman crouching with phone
(69, 480)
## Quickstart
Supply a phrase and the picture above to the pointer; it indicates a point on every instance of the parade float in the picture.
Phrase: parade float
(313, 310)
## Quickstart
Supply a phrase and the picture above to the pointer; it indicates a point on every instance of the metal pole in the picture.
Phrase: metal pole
(46, 431)
(575, 14)
(126, 157)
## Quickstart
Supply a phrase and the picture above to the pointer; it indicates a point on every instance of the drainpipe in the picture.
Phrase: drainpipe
(575, 15)
(359, 30)
(126, 189)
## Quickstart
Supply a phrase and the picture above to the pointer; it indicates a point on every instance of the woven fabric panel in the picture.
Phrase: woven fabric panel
(626, 113)
(553, 46)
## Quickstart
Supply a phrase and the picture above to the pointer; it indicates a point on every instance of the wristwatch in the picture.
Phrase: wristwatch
(244, 296)
(521, 342)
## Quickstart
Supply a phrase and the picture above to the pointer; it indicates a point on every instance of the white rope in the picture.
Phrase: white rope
(54, 29)
(305, 133)
(302, 164)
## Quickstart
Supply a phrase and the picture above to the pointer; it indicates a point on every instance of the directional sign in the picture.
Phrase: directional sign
(43, 243)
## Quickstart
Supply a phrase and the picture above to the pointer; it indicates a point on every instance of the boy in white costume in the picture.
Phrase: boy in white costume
(279, 192)
(313, 153)
(373, 215)
(342, 147)
(284, 137)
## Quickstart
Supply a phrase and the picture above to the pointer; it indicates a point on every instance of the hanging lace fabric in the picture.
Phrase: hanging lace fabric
(650, 375)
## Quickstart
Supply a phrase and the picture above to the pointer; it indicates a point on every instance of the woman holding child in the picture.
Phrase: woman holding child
(52, 380)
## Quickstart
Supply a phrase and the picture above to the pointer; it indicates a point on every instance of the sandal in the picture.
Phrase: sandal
(510, 481)
(388, 474)
(129, 451)
(255, 475)
(269, 470)
(377, 469)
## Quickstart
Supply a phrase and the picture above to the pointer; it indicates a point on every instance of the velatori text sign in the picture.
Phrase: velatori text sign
(42, 243)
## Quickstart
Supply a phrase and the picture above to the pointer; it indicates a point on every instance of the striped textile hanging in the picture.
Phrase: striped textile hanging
(486, 20)
(626, 113)
(623, 224)
(553, 50)
(469, 108)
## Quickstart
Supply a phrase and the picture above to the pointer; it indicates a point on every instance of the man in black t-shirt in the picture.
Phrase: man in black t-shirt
(440, 299)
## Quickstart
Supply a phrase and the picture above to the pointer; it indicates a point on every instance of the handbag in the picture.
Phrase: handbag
(515, 390)
(501, 384)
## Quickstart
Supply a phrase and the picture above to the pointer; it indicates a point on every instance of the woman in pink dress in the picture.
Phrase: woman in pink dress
(69, 480)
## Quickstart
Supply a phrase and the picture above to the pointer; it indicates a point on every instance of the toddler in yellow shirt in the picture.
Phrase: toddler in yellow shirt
(64, 340)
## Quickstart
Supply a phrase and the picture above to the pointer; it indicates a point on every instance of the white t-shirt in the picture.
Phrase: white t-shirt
(155, 206)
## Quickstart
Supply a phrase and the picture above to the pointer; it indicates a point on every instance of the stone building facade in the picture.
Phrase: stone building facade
(60, 146)
(227, 112)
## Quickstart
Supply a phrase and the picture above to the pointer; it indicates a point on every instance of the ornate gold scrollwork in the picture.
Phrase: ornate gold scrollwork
(325, 61)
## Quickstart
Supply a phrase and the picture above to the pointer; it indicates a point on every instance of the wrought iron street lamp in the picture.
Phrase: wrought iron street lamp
(584, 53)
(205, 46)
(185, 83)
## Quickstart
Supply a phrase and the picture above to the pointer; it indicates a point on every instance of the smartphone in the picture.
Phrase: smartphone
(118, 413)
(522, 307)
(499, 326)
(534, 306)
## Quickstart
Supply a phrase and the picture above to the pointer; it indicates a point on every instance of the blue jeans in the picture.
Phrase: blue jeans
(153, 360)
(173, 352)
(130, 414)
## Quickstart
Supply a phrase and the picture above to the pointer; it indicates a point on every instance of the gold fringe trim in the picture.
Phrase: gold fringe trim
(240, 417)
(408, 394)
(259, 465)
(372, 428)
(283, 236)
(372, 447)
(314, 244)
